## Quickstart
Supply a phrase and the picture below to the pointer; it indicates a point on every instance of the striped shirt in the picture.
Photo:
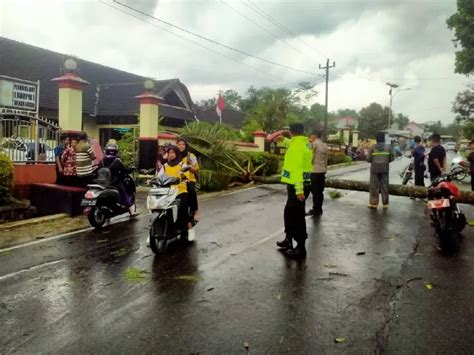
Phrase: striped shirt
(84, 157)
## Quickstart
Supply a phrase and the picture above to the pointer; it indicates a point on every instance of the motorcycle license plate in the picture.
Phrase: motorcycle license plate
(88, 203)
(435, 204)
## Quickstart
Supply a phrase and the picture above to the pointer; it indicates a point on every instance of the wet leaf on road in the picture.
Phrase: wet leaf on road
(361, 253)
(120, 252)
(246, 346)
(133, 274)
(330, 266)
(5, 253)
(193, 278)
(335, 194)
(428, 285)
(210, 289)
(279, 296)
(101, 241)
(340, 339)
(338, 274)
(418, 254)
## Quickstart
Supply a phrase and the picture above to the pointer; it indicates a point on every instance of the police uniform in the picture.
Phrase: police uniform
(296, 175)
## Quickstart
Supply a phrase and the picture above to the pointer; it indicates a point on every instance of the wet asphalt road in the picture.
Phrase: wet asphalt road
(231, 288)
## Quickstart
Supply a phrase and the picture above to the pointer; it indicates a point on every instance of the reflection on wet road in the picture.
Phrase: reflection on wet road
(106, 291)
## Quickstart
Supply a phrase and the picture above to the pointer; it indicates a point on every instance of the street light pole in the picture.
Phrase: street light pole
(392, 86)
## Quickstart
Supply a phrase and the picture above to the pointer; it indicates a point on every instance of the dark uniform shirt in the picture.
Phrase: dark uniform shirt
(439, 153)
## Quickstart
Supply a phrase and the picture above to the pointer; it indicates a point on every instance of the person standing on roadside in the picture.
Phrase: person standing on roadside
(380, 156)
(470, 159)
(84, 158)
(296, 175)
(419, 166)
(58, 153)
(437, 157)
(68, 160)
(318, 175)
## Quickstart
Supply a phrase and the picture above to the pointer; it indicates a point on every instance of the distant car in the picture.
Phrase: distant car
(450, 146)
(23, 150)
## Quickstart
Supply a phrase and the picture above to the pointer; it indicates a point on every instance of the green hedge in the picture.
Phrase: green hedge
(338, 158)
(272, 162)
(213, 180)
(6, 178)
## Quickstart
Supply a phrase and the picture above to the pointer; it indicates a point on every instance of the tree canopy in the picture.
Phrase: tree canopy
(462, 22)
(373, 119)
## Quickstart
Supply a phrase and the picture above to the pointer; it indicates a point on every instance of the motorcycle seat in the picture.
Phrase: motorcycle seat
(102, 187)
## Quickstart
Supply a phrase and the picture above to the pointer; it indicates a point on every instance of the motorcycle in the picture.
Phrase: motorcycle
(446, 216)
(457, 164)
(102, 201)
(407, 173)
(163, 203)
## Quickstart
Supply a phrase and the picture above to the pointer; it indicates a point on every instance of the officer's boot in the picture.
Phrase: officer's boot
(286, 243)
(297, 253)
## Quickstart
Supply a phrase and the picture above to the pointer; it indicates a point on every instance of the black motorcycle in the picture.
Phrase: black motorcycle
(102, 200)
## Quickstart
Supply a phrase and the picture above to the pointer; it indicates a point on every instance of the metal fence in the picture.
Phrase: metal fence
(28, 140)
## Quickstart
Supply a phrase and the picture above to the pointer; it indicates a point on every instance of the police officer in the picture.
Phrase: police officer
(380, 156)
(296, 175)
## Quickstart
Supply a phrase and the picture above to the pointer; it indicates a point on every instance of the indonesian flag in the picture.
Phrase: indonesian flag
(219, 107)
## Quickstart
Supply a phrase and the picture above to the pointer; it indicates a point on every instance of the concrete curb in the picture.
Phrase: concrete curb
(36, 220)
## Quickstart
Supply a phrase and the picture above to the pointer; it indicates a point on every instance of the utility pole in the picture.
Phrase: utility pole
(327, 67)
(392, 86)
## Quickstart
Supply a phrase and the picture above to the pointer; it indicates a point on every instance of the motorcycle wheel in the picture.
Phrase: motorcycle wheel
(96, 217)
(461, 222)
(406, 178)
(445, 229)
(158, 236)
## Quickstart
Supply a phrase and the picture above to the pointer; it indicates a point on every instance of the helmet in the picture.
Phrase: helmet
(111, 149)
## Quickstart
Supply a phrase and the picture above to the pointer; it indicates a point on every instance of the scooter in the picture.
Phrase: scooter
(163, 203)
(101, 202)
(446, 216)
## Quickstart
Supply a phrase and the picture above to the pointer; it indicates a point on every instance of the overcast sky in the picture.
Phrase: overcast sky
(372, 42)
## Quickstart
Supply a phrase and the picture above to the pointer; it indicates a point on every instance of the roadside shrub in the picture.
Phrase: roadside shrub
(272, 162)
(6, 178)
(337, 158)
(210, 180)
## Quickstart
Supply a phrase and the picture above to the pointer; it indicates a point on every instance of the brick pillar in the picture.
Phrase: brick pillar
(70, 102)
(259, 139)
(148, 141)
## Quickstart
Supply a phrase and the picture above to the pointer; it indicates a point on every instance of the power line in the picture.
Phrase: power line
(262, 28)
(279, 25)
(189, 40)
(212, 41)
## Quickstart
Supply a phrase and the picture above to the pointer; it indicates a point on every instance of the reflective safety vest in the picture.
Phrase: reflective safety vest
(380, 156)
(297, 166)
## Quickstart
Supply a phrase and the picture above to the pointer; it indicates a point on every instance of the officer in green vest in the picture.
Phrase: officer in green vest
(380, 156)
(296, 175)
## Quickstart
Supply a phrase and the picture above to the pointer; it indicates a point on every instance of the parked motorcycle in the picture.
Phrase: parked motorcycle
(407, 173)
(163, 203)
(446, 216)
(457, 164)
(102, 200)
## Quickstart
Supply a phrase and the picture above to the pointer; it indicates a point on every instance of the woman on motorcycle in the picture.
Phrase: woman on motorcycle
(190, 160)
(174, 168)
(119, 174)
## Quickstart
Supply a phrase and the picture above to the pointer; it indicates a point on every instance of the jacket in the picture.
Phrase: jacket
(297, 165)
(380, 156)
(320, 158)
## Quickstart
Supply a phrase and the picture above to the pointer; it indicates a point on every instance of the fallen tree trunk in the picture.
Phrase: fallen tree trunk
(397, 190)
